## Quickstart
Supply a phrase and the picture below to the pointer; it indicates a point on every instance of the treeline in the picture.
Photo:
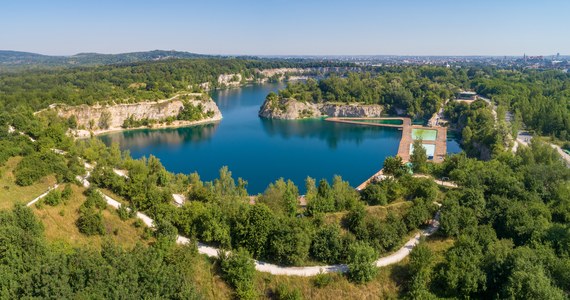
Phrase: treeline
(417, 91)
(36, 89)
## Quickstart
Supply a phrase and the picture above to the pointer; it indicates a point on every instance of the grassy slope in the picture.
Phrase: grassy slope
(59, 222)
(11, 193)
(388, 283)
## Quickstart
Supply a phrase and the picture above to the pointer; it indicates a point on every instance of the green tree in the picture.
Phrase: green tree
(419, 157)
(421, 268)
(462, 274)
(281, 197)
(289, 242)
(255, 228)
(327, 245)
(105, 120)
(393, 166)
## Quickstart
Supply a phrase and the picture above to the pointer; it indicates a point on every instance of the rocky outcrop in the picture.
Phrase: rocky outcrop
(290, 109)
(230, 80)
(112, 117)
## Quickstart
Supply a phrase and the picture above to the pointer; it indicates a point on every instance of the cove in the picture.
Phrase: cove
(261, 151)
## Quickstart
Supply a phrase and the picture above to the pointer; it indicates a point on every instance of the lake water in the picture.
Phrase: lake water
(261, 151)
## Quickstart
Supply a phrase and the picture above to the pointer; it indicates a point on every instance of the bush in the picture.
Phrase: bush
(322, 280)
(285, 293)
(95, 199)
(165, 231)
(328, 245)
(66, 193)
(138, 223)
(238, 271)
(361, 259)
(90, 222)
(124, 213)
(374, 194)
(53, 198)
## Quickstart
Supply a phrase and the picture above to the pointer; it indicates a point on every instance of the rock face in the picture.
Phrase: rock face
(119, 113)
(290, 109)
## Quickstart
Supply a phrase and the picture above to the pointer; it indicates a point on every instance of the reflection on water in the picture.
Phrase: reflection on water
(331, 132)
(156, 137)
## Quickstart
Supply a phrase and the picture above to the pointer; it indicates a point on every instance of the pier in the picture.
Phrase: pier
(439, 142)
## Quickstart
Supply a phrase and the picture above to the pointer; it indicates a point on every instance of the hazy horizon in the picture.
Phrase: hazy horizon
(288, 28)
(294, 55)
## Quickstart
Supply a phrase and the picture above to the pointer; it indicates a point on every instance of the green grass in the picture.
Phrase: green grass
(11, 193)
(59, 222)
(382, 287)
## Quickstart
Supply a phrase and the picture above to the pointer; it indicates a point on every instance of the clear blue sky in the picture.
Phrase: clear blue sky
(288, 27)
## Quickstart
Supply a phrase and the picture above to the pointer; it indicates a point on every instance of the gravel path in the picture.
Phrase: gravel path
(272, 268)
(42, 195)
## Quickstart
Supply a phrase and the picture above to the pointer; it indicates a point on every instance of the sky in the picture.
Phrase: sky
(288, 27)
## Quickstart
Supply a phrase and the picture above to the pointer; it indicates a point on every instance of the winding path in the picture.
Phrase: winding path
(260, 265)
(272, 268)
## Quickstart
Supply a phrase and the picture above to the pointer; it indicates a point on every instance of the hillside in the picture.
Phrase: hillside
(10, 58)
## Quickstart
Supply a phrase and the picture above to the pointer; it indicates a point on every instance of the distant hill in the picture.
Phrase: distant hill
(16, 58)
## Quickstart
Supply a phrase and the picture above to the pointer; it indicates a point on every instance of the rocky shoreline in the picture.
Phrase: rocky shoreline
(291, 109)
(101, 119)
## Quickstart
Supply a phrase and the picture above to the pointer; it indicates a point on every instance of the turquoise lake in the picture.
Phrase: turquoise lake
(261, 151)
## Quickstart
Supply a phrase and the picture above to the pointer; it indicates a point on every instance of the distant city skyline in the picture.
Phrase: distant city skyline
(288, 27)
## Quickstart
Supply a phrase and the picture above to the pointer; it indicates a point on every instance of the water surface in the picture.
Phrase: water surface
(261, 151)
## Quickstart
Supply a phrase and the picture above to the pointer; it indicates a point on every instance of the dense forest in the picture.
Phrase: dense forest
(419, 92)
(507, 222)
(124, 83)
(538, 100)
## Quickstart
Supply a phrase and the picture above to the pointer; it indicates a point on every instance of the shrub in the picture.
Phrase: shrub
(53, 198)
(138, 223)
(322, 280)
(123, 212)
(374, 194)
(283, 292)
(67, 192)
(95, 199)
(361, 259)
(238, 271)
(90, 222)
